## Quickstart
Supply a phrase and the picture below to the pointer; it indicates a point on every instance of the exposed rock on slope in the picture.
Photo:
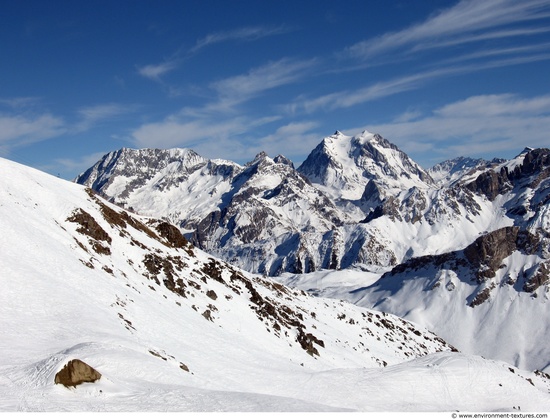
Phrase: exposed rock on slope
(75, 373)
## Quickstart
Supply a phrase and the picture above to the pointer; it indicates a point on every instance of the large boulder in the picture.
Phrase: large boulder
(76, 372)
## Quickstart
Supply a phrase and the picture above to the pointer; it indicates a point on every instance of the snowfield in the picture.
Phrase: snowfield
(172, 329)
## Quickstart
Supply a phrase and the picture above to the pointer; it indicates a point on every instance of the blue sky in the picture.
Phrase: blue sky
(438, 78)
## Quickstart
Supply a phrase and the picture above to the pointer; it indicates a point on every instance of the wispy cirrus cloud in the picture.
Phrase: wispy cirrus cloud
(20, 102)
(18, 130)
(155, 71)
(238, 89)
(482, 125)
(459, 24)
(385, 88)
(92, 115)
(241, 34)
(378, 90)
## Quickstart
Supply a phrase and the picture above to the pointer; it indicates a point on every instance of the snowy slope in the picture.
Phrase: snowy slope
(172, 329)
(490, 299)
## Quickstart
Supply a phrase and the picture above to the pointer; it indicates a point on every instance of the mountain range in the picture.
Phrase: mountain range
(467, 233)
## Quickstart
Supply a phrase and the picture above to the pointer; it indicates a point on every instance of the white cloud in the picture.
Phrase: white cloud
(458, 24)
(91, 115)
(174, 133)
(293, 139)
(243, 87)
(155, 71)
(349, 98)
(241, 34)
(16, 130)
(485, 125)
(20, 102)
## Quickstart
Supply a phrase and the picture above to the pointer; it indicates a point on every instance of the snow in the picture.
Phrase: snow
(59, 301)
(508, 326)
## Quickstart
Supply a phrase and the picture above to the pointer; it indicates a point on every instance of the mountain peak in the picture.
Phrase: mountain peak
(283, 160)
(262, 155)
(525, 151)
(345, 165)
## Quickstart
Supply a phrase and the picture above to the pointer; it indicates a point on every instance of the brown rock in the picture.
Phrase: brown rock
(76, 372)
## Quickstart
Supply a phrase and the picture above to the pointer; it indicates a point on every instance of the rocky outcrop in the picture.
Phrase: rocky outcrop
(76, 372)
(487, 252)
(533, 169)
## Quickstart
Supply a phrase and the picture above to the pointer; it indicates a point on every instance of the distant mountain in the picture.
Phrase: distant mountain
(269, 218)
(447, 172)
(171, 328)
(344, 165)
(341, 208)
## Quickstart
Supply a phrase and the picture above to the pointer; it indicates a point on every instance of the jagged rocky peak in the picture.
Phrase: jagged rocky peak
(137, 165)
(527, 169)
(262, 155)
(280, 159)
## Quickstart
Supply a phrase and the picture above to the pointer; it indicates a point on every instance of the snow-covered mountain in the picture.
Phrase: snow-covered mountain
(268, 217)
(343, 166)
(447, 172)
(354, 202)
(169, 327)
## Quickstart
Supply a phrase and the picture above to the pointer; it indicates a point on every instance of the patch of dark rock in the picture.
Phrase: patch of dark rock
(89, 226)
(154, 353)
(214, 270)
(127, 323)
(482, 296)
(76, 372)
(87, 264)
(541, 276)
(306, 341)
(172, 235)
(542, 374)
(211, 294)
(207, 315)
